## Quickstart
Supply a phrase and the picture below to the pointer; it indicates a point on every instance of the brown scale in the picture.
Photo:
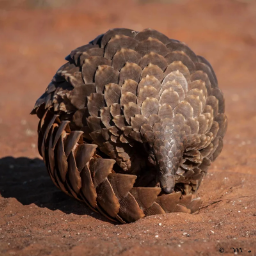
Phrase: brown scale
(131, 123)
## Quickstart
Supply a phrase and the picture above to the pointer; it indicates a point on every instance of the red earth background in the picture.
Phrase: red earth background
(38, 219)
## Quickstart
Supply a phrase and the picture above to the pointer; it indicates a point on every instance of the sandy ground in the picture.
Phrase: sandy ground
(38, 219)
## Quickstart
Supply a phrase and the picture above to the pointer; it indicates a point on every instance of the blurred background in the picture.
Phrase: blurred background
(36, 35)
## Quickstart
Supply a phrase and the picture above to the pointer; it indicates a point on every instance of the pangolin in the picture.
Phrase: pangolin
(131, 123)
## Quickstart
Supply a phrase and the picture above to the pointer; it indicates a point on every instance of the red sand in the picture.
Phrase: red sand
(38, 219)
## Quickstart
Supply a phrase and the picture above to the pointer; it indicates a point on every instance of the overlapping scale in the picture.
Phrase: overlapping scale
(129, 102)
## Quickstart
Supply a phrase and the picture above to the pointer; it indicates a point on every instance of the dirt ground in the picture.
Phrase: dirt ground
(38, 219)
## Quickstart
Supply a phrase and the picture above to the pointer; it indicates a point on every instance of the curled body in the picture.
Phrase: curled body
(140, 107)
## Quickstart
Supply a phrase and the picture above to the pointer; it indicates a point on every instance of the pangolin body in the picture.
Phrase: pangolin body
(131, 123)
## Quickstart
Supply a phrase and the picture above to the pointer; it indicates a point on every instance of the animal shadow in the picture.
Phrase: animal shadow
(27, 180)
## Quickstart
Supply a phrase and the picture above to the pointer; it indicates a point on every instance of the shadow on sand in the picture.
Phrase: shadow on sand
(27, 180)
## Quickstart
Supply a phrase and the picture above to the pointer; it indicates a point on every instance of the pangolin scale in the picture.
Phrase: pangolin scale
(131, 123)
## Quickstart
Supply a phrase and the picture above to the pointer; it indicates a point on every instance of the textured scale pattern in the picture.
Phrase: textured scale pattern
(131, 123)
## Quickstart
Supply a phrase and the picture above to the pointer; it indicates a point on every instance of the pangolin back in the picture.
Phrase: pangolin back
(131, 123)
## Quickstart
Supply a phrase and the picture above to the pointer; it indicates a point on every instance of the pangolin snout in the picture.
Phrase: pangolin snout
(167, 181)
